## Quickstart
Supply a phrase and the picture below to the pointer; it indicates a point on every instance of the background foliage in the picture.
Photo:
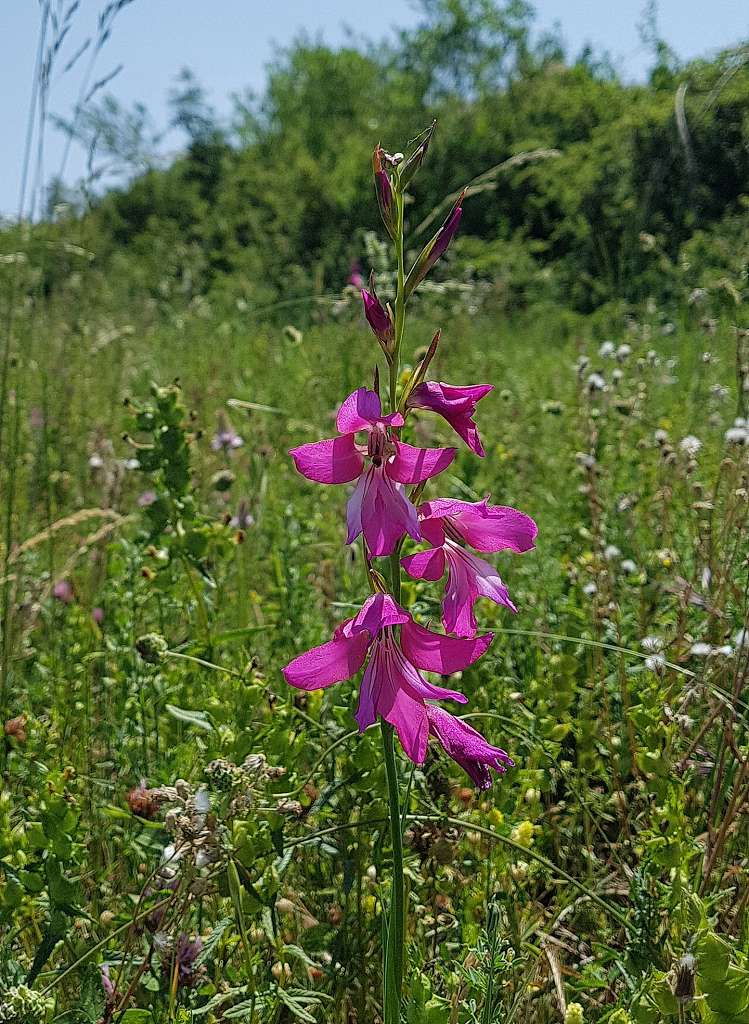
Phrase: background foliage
(153, 582)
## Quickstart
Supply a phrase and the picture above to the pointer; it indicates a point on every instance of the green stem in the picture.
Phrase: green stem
(400, 303)
(396, 928)
(393, 959)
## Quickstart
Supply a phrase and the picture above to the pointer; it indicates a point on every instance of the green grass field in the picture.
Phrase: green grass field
(139, 656)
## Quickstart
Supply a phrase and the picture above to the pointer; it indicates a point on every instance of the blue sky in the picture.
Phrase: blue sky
(228, 43)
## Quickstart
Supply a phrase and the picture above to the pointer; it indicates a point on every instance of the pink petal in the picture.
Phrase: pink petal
(489, 584)
(377, 612)
(329, 663)
(380, 509)
(383, 693)
(333, 461)
(469, 577)
(460, 595)
(435, 652)
(483, 526)
(412, 465)
(456, 404)
(361, 411)
(354, 508)
(467, 747)
(409, 717)
(403, 674)
(425, 565)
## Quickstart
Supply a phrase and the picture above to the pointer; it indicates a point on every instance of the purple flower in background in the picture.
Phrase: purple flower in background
(225, 439)
(456, 404)
(243, 519)
(97, 614)
(355, 275)
(183, 957)
(393, 686)
(147, 498)
(448, 525)
(378, 507)
(467, 747)
(110, 992)
(63, 591)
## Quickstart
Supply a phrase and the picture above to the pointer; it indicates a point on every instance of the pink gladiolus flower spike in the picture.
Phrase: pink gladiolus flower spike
(378, 507)
(448, 525)
(457, 405)
(393, 686)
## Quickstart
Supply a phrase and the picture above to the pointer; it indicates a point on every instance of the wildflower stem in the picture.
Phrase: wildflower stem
(396, 928)
(400, 302)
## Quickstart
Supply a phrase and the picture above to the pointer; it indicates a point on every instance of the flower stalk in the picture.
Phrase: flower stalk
(394, 951)
(395, 651)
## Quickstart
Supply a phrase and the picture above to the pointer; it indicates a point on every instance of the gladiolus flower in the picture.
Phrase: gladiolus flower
(435, 247)
(378, 507)
(450, 524)
(457, 405)
(467, 747)
(392, 687)
(378, 317)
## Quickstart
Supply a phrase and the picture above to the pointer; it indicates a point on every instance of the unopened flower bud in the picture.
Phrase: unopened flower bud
(378, 317)
(435, 247)
(410, 166)
(384, 191)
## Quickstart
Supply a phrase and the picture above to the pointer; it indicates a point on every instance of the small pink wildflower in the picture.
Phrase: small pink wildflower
(393, 686)
(448, 525)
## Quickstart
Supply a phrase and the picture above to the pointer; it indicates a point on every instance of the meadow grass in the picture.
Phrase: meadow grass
(615, 847)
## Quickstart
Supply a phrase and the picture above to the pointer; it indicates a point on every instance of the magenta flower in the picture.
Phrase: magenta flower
(392, 687)
(457, 405)
(467, 747)
(450, 524)
(378, 507)
(378, 317)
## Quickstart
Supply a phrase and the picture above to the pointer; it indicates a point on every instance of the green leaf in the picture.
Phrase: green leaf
(730, 996)
(714, 958)
(212, 941)
(295, 1007)
(199, 719)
